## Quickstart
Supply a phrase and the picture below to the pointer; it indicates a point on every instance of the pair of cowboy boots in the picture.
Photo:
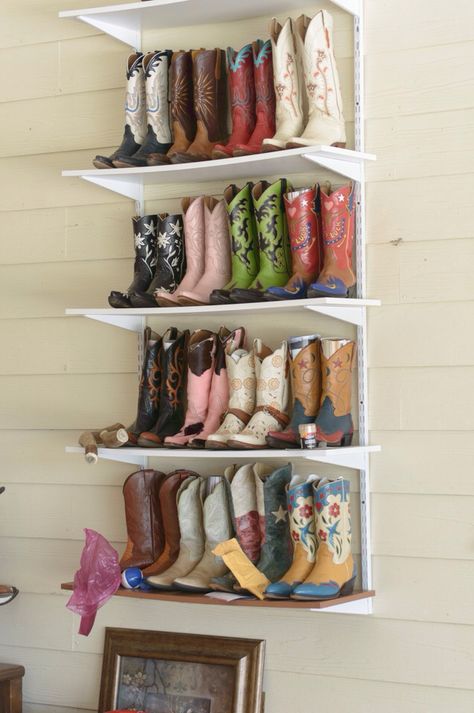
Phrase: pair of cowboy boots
(258, 398)
(207, 248)
(308, 95)
(147, 126)
(162, 388)
(259, 513)
(159, 260)
(252, 97)
(320, 525)
(203, 520)
(207, 385)
(321, 387)
(259, 235)
(321, 236)
(198, 106)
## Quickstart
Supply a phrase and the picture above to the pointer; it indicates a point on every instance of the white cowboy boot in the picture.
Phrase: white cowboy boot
(271, 413)
(217, 528)
(315, 48)
(158, 137)
(191, 543)
(242, 385)
(135, 115)
(289, 87)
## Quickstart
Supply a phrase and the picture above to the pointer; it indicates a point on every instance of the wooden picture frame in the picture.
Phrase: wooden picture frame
(164, 672)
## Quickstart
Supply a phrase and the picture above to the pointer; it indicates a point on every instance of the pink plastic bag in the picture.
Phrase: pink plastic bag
(96, 581)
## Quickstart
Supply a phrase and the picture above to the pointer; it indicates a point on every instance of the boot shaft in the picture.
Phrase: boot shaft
(332, 518)
(337, 359)
(217, 238)
(156, 68)
(143, 517)
(272, 230)
(303, 214)
(135, 104)
(300, 503)
(182, 103)
(240, 78)
(276, 553)
(305, 378)
(149, 388)
(264, 90)
(337, 210)
(243, 232)
(194, 231)
(242, 383)
(174, 369)
(272, 383)
(171, 263)
(210, 92)
(288, 79)
(190, 515)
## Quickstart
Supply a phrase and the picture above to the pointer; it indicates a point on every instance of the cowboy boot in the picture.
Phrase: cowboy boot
(289, 86)
(334, 571)
(191, 544)
(167, 496)
(158, 137)
(170, 260)
(149, 387)
(183, 117)
(271, 412)
(7, 593)
(217, 528)
(173, 389)
(264, 99)
(337, 277)
(201, 360)
(210, 105)
(245, 517)
(334, 425)
(300, 504)
(305, 381)
(274, 255)
(244, 242)
(275, 555)
(135, 119)
(226, 344)
(144, 233)
(303, 214)
(242, 385)
(143, 518)
(217, 255)
(242, 97)
(315, 48)
(194, 238)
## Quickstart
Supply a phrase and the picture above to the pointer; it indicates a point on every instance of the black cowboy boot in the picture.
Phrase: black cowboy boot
(149, 388)
(144, 232)
(170, 265)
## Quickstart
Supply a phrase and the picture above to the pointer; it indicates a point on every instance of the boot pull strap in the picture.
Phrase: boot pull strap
(282, 419)
(241, 415)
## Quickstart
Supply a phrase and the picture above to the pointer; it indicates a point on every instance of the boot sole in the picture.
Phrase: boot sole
(196, 590)
(188, 302)
(216, 444)
(295, 145)
(245, 446)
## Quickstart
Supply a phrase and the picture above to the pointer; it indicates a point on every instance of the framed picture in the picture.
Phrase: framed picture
(163, 672)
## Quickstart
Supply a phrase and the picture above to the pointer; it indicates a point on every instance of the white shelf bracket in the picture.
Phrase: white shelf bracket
(116, 454)
(353, 7)
(130, 33)
(133, 324)
(347, 168)
(353, 315)
(121, 184)
(337, 457)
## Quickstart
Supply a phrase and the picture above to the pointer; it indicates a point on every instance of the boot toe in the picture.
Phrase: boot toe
(149, 440)
(279, 590)
(119, 300)
(219, 297)
(142, 299)
(102, 162)
(249, 295)
(310, 590)
(333, 287)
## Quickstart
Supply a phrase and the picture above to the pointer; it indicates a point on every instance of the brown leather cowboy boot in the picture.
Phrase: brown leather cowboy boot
(210, 105)
(182, 108)
(143, 518)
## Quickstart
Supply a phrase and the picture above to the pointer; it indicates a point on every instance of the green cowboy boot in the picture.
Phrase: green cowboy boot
(274, 246)
(243, 231)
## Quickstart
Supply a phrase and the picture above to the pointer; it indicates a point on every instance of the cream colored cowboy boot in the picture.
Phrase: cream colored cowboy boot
(315, 48)
(217, 528)
(271, 413)
(191, 543)
(158, 137)
(335, 571)
(300, 504)
(242, 385)
(135, 116)
(289, 87)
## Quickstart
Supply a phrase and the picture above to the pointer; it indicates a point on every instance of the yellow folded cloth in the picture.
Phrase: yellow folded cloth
(247, 575)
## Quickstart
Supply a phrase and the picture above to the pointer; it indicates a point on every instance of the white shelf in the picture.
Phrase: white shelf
(346, 310)
(350, 457)
(127, 22)
(130, 182)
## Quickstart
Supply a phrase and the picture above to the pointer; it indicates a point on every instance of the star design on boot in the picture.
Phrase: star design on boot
(280, 514)
(337, 363)
(304, 202)
(340, 198)
(150, 228)
(176, 229)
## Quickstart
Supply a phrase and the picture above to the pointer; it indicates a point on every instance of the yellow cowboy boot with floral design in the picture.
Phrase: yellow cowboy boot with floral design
(334, 572)
(300, 504)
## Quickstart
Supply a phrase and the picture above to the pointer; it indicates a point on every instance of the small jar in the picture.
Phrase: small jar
(308, 435)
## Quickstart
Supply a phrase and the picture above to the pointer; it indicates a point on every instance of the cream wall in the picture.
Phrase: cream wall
(65, 243)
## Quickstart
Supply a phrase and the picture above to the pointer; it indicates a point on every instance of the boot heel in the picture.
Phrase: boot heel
(347, 588)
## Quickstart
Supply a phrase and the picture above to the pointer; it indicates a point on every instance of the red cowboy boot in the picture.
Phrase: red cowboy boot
(337, 277)
(265, 99)
(242, 96)
(303, 214)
